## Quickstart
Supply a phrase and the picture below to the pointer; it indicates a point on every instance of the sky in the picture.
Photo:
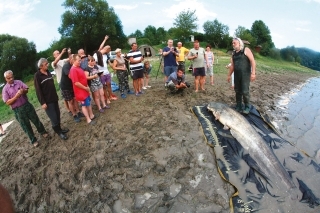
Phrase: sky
(291, 22)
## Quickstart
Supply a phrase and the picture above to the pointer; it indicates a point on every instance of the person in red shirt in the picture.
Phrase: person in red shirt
(81, 89)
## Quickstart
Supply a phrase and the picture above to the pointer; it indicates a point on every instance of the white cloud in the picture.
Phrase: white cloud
(276, 35)
(202, 13)
(302, 29)
(147, 3)
(125, 7)
(16, 18)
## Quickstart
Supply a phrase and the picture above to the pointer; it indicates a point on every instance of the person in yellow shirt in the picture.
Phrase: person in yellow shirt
(181, 58)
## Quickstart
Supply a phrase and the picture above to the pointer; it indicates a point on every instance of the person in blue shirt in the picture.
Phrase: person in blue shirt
(169, 54)
(176, 81)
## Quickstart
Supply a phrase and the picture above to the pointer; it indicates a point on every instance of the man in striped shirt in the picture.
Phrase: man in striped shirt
(136, 67)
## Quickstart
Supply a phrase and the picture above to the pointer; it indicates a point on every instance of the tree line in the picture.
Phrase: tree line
(85, 22)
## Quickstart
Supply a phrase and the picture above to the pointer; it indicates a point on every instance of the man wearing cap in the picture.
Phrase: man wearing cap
(244, 68)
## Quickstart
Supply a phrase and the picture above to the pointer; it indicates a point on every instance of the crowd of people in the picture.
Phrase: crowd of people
(84, 77)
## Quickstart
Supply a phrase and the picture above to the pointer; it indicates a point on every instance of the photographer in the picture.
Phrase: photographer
(176, 81)
(169, 54)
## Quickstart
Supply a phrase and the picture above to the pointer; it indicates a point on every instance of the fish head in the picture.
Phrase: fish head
(216, 109)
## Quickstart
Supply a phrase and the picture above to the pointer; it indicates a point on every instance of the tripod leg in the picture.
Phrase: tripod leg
(159, 67)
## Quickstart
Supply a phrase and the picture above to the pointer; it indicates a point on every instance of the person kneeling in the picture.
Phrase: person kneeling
(176, 81)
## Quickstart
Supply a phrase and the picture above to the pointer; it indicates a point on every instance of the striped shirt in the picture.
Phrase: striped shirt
(136, 56)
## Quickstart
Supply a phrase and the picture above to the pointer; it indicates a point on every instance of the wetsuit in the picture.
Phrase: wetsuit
(242, 73)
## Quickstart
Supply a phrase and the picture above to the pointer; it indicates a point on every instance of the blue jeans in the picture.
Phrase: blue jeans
(169, 69)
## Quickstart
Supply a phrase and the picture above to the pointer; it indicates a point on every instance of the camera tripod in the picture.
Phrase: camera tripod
(159, 65)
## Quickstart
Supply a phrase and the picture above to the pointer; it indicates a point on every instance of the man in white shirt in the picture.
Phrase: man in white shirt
(57, 65)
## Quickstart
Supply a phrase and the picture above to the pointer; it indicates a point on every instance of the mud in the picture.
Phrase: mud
(146, 154)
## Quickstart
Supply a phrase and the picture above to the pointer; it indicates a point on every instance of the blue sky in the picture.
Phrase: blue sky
(291, 22)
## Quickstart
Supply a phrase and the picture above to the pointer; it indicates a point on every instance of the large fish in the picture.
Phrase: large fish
(270, 167)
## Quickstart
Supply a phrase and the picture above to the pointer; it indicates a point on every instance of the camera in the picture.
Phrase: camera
(187, 84)
(197, 53)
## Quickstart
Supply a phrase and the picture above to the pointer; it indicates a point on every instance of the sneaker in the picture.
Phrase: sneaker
(76, 118)
(148, 86)
(123, 95)
(246, 110)
(80, 115)
(130, 92)
(144, 87)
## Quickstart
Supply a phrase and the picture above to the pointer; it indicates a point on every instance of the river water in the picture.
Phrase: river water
(300, 120)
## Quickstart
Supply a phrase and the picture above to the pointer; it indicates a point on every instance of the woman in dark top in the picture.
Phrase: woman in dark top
(48, 97)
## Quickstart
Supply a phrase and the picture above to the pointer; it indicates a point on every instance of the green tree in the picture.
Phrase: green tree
(161, 35)
(245, 34)
(150, 32)
(17, 54)
(216, 33)
(185, 25)
(290, 54)
(86, 22)
(137, 34)
(261, 33)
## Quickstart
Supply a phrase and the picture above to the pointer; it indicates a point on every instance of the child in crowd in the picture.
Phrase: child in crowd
(146, 72)
(92, 73)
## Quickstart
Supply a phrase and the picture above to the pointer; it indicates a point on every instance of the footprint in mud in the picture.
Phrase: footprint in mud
(182, 172)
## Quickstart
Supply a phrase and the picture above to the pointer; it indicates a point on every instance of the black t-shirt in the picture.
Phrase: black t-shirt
(65, 82)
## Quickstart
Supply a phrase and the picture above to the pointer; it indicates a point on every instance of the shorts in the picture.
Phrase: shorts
(94, 88)
(86, 101)
(169, 69)
(200, 71)
(209, 71)
(105, 79)
(137, 74)
(67, 95)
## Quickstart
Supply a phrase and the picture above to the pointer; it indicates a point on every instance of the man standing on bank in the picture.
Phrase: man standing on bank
(169, 54)
(198, 55)
(48, 97)
(14, 94)
(243, 66)
(183, 52)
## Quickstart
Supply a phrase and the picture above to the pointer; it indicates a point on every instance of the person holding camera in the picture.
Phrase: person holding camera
(169, 54)
(176, 81)
(198, 55)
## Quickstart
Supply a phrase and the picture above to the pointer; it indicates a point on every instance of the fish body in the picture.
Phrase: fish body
(270, 167)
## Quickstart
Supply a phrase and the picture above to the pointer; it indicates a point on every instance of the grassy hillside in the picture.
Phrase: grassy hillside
(221, 60)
